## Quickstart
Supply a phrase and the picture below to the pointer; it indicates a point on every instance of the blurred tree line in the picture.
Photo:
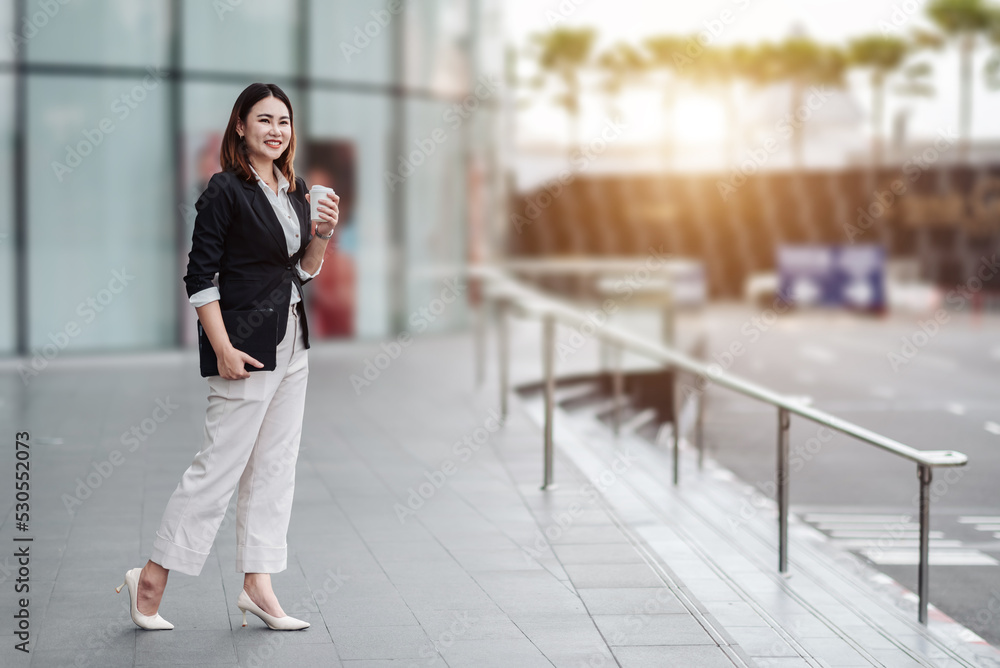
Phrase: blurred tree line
(564, 56)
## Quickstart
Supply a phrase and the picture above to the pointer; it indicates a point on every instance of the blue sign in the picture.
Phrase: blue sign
(837, 276)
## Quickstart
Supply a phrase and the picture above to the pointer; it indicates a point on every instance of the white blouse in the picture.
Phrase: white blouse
(289, 224)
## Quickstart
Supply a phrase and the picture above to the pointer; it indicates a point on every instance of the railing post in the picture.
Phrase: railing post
(479, 332)
(678, 406)
(699, 425)
(618, 386)
(548, 362)
(924, 473)
(784, 422)
(503, 348)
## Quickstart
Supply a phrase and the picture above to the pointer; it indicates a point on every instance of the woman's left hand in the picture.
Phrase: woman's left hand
(329, 213)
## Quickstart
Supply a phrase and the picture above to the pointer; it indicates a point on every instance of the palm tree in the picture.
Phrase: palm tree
(562, 54)
(882, 55)
(801, 62)
(620, 65)
(718, 68)
(666, 54)
(963, 21)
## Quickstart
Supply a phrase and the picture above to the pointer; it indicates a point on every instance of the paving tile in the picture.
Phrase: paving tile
(631, 601)
(184, 647)
(381, 642)
(757, 641)
(281, 654)
(834, 651)
(597, 553)
(735, 613)
(495, 654)
(662, 656)
(610, 576)
(665, 629)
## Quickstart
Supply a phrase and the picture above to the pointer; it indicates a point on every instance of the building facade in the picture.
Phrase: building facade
(111, 114)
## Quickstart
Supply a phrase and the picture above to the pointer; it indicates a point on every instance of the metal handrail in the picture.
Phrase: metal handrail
(506, 291)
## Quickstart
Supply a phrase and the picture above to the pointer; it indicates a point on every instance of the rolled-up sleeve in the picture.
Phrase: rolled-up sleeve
(304, 275)
(205, 296)
(211, 224)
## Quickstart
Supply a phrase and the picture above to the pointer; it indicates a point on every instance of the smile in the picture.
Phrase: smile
(273, 143)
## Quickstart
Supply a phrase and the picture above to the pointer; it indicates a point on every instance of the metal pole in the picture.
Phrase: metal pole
(667, 333)
(784, 421)
(924, 473)
(676, 454)
(479, 334)
(618, 386)
(503, 345)
(548, 361)
(699, 425)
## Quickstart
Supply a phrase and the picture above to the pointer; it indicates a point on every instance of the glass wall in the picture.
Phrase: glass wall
(100, 213)
(352, 41)
(252, 36)
(436, 196)
(112, 175)
(7, 277)
(98, 32)
(437, 57)
(363, 122)
(8, 45)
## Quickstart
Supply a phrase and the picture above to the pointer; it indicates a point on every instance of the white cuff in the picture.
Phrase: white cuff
(302, 272)
(205, 296)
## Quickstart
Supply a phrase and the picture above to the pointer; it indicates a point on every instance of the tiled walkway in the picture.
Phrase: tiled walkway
(419, 535)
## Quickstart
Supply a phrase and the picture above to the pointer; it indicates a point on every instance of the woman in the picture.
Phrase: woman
(253, 228)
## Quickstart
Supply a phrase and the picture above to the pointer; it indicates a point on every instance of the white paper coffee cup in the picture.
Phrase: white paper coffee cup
(316, 193)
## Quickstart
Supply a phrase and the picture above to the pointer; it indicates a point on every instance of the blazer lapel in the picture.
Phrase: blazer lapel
(262, 207)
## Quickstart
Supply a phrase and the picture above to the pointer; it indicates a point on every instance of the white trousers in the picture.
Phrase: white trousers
(252, 432)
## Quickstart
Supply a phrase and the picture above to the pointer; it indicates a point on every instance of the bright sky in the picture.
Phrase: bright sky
(832, 21)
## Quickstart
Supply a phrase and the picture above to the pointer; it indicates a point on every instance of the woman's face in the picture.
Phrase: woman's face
(268, 129)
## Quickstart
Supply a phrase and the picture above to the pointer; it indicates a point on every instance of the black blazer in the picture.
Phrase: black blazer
(237, 234)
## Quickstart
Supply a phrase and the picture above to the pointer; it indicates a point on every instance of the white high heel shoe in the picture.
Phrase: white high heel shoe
(286, 623)
(149, 622)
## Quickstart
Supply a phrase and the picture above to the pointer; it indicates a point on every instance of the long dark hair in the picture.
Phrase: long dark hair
(233, 155)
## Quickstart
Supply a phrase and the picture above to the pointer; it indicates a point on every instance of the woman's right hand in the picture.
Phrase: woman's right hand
(231, 364)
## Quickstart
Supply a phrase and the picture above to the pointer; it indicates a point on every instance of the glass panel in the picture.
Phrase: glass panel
(206, 112)
(248, 36)
(436, 53)
(8, 45)
(353, 41)
(354, 130)
(102, 274)
(435, 214)
(98, 32)
(7, 277)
